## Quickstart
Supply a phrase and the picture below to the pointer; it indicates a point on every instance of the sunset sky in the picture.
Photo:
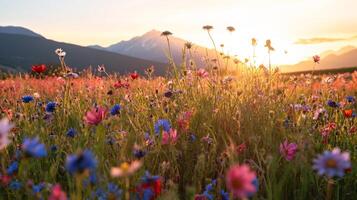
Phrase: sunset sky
(322, 24)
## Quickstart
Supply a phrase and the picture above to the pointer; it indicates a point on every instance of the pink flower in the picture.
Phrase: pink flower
(316, 59)
(57, 193)
(202, 73)
(288, 150)
(240, 180)
(169, 137)
(95, 116)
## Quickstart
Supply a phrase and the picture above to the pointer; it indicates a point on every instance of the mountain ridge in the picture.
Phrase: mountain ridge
(18, 30)
(20, 52)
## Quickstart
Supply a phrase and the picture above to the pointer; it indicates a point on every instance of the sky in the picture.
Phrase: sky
(301, 28)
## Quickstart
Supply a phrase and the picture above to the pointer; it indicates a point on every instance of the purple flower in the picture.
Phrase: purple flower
(332, 163)
(333, 104)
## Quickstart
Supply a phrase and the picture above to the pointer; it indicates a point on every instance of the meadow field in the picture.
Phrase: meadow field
(204, 134)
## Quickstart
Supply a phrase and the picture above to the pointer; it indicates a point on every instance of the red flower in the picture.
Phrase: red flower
(120, 84)
(241, 148)
(134, 75)
(39, 68)
(154, 185)
(5, 180)
(316, 59)
(347, 113)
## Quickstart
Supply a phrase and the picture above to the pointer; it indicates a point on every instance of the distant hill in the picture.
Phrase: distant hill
(153, 46)
(20, 51)
(343, 58)
(18, 31)
(338, 52)
(97, 47)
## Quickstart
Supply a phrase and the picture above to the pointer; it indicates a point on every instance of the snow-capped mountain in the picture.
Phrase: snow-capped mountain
(153, 46)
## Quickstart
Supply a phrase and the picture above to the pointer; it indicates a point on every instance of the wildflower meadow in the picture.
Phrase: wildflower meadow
(215, 132)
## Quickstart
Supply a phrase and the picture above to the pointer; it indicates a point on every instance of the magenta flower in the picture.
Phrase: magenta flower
(169, 137)
(240, 180)
(95, 116)
(57, 193)
(288, 150)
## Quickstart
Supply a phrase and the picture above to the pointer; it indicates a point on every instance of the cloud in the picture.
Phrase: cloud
(319, 40)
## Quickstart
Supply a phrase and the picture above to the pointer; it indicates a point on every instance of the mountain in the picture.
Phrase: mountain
(153, 46)
(18, 31)
(338, 52)
(97, 47)
(343, 58)
(21, 51)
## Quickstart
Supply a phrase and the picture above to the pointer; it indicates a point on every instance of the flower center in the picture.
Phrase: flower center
(236, 183)
(331, 163)
(124, 166)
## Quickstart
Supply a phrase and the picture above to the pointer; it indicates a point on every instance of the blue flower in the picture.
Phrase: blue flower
(148, 194)
(224, 195)
(77, 163)
(15, 185)
(148, 178)
(53, 148)
(193, 138)
(38, 188)
(333, 104)
(350, 99)
(114, 191)
(115, 110)
(27, 99)
(13, 168)
(209, 189)
(71, 132)
(332, 163)
(256, 185)
(50, 107)
(162, 123)
(93, 178)
(138, 153)
(100, 194)
(33, 148)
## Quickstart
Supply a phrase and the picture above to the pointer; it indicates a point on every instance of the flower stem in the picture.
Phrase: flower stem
(329, 191)
(127, 185)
